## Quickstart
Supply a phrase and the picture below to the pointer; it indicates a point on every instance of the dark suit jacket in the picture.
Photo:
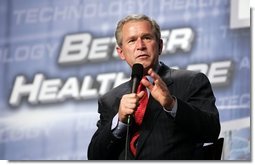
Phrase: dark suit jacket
(161, 135)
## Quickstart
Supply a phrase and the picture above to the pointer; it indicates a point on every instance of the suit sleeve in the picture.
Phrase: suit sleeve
(104, 145)
(197, 113)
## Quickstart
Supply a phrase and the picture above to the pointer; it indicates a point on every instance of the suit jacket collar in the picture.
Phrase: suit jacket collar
(153, 109)
(151, 115)
(165, 73)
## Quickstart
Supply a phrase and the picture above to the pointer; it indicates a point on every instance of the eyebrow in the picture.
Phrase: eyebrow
(143, 35)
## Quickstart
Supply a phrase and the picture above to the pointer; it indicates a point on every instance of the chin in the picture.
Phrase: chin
(145, 64)
(146, 68)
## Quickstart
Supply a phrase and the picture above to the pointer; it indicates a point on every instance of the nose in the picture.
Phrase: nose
(140, 44)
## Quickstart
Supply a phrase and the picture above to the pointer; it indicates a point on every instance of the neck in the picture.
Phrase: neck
(155, 68)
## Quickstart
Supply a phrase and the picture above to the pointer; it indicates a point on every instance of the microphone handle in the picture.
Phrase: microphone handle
(133, 90)
(135, 85)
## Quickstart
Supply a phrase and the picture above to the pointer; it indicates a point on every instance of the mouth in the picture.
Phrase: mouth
(142, 56)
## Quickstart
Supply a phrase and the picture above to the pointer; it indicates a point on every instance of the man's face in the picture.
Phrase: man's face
(139, 44)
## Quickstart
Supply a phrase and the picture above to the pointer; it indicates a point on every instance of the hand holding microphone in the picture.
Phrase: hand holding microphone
(129, 102)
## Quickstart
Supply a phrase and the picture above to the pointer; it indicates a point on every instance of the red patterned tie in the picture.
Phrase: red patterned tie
(138, 115)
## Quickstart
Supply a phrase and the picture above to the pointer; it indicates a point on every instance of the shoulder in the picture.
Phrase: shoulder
(189, 76)
(179, 73)
(182, 76)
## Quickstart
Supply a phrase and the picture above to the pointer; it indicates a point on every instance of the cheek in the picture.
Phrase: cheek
(155, 50)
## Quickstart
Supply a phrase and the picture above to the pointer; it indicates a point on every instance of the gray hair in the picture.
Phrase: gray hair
(140, 17)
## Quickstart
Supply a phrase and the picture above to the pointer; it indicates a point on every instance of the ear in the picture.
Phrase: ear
(120, 53)
(160, 46)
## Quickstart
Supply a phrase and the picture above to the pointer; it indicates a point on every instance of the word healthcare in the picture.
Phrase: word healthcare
(42, 90)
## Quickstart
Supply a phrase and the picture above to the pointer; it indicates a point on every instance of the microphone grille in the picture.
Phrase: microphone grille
(137, 71)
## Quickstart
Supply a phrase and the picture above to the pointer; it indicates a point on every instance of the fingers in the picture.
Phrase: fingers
(130, 101)
(147, 84)
(153, 74)
(128, 105)
(156, 80)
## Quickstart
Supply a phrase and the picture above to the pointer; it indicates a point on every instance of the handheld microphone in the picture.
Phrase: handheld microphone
(136, 76)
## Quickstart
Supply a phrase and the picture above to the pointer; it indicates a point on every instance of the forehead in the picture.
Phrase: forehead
(136, 26)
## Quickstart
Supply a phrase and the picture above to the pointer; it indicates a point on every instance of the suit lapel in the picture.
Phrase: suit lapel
(153, 109)
(165, 73)
(151, 114)
(125, 89)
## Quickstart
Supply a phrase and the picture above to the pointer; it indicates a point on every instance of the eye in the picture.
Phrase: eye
(130, 41)
(147, 37)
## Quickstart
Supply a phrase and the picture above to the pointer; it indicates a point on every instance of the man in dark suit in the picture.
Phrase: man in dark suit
(180, 113)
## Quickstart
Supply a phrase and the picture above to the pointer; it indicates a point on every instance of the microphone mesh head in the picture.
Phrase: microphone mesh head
(137, 71)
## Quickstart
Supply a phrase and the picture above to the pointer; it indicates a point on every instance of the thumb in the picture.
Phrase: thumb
(140, 94)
